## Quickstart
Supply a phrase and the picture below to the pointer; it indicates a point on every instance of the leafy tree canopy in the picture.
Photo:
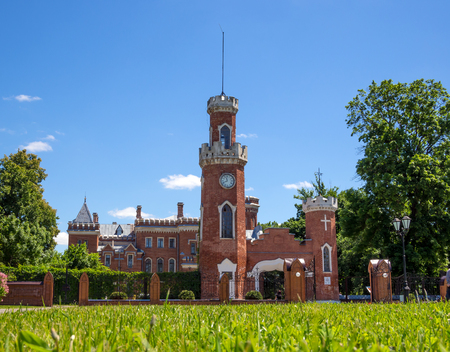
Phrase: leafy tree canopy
(78, 257)
(405, 130)
(27, 222)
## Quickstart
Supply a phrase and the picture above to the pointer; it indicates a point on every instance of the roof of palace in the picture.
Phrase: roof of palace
(84, 215)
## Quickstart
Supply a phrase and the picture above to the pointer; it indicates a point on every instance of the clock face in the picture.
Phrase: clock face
(227, 180)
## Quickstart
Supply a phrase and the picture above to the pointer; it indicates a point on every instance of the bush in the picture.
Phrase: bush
(103, 282)
(253, 295)
(3, 286)
(118, 295)
(186, 294)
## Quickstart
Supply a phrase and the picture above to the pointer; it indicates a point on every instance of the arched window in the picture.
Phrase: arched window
(160, 265)
(148, 265)
(227, 222)
(171, 265)
(225, 137)
(326, 259)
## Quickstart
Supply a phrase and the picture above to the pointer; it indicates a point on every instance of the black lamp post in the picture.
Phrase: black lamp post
(402, 227)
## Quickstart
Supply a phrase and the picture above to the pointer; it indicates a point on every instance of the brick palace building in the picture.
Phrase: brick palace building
(227, 240)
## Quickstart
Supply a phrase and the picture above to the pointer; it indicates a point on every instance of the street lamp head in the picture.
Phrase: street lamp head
(406, 221)
(396, 222)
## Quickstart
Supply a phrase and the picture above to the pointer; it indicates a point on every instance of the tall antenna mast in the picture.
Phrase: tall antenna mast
(223, 55)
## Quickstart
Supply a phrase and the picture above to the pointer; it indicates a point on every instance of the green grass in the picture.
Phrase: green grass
(17, 306)
(291, 327)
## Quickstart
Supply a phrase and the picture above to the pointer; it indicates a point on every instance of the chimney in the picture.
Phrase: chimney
(180, 210)
(138, 212)
(95, 215)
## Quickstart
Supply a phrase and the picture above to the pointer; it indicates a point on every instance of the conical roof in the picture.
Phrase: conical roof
(84, 215)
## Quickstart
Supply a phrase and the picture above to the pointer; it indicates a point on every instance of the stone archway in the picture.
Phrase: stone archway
(228, 267)
(263, 266)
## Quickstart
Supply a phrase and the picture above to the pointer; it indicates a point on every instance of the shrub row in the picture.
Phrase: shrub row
(103, 283)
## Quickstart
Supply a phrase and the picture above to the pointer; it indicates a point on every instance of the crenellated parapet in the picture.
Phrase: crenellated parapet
(223, 103)
(167, 222)
(217, 154)
(79, 226)
(320, 203)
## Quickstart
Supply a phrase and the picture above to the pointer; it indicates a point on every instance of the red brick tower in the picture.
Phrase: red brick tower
(321, 229)
(222, 233)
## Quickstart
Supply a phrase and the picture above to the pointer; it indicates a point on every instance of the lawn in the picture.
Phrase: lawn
(291, 327)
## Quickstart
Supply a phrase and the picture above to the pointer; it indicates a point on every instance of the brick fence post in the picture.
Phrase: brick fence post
(155, 289)
(48, 289)
(83, 295)
(224, 288)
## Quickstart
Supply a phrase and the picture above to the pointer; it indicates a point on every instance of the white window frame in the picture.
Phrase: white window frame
(157, 242)
(132, 260)
(145, 265)
(233, 209)
(157, 268)
(106, 257)
(151, 242)
(174, 265)
(323, 261)
(231, 133)
(195, 247)
(175, 242)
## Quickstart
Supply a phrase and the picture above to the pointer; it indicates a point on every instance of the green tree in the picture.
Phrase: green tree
(27, 222)
(78, 257)
(404, 130)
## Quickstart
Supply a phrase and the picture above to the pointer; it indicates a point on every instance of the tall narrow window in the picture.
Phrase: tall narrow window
(225, 137)
(108, 260)
(148, 242)
(130, 260)
(160, 265)
(193, 249)
(148, 265)
(326, 260)
(227, 222)
(171, 265)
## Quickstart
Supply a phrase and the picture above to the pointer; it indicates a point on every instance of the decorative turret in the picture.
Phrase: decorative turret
(320, 203)
(223, 103)
(320, 224)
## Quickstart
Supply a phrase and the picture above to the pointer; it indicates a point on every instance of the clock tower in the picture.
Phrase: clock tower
(222, 231)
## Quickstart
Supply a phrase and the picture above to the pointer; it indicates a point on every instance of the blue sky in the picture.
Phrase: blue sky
(112, 94)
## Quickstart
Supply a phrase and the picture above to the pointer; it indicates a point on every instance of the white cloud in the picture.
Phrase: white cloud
(250, 135)
(298, 185)
(37, 147)
(7, 98)
(129, 212)
(62, 238)
(181, 182)
(27, 98)
(49, 138)
(61, 133)
(6, 130)
(249, 189)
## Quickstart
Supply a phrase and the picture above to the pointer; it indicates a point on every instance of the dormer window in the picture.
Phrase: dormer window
(225, 137)
(119, 231)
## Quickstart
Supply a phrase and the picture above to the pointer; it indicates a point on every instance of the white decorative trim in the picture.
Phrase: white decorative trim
(151, 242)
(228, 266)
(323, 262)
(151, 264)
(265, 265)
(157, 242)
(174, 265)
(172, 238)
(178, 229)
(233, 208)
(220, 134)
(157, 259)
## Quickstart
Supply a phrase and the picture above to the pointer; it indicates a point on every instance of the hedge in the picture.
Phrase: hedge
(103, 283)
